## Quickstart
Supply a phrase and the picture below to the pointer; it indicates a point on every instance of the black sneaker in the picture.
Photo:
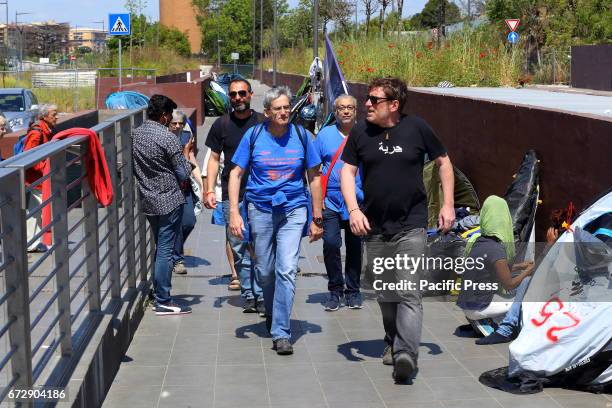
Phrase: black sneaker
(387, 358)
(333, 303)
(170, 308)
(494, 338)
(261, 309)
(403, 367)
(353, 301)
(283, 347)
(249, 306)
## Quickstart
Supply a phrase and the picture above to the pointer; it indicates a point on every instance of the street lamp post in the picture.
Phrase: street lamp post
(6, 34)
(97, 41)
(261, 41)
(17, 14)
(315, 27)
(274, 46)
(254, 34)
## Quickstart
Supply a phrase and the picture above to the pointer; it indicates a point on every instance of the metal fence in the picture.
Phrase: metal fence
(51, 303)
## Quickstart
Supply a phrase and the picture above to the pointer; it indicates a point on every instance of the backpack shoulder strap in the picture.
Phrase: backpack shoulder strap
(256, 131)
(302, 135)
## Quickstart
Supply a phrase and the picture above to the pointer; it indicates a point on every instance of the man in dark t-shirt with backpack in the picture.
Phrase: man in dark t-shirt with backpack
(389, 148)
(224, 137)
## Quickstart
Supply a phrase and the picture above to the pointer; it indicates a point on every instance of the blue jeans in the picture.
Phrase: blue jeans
(511, 321)
(242, 260)
(166, 230)
(277, 236)
(332, 242)
(187, 225)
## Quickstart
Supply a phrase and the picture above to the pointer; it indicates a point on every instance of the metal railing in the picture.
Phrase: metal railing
(51, 303)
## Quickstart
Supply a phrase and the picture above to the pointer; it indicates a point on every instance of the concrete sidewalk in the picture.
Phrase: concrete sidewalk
(219, 357)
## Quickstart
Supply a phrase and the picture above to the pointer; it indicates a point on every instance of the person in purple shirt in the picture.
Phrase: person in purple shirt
(330, 143)
(276, 154)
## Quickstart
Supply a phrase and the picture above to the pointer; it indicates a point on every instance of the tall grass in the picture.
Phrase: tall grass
(467, 58)
(163, 61)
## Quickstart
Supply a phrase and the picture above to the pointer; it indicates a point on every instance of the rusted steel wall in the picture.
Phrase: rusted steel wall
(487, 141)
(592, 67)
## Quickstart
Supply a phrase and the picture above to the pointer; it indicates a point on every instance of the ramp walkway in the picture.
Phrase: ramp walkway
(219, 357)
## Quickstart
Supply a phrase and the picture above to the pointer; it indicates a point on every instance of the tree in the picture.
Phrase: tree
(154, 33)
(400, 11)
(436, 14)
(136, 8)
(381, 17)
(554, 23)
(370, 7)
(338, 11)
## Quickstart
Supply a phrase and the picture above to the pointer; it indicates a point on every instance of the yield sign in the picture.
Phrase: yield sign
(512, 23)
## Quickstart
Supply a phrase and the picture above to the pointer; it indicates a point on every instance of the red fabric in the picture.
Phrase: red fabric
(35, 138)
(325, 177)
(98, 174)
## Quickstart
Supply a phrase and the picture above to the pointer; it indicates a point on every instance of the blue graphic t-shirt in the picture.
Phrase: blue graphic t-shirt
(276, 168)
(327, 143)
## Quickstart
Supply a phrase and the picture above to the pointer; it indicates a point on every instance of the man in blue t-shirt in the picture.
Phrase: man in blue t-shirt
(330, 143)
(276, 155)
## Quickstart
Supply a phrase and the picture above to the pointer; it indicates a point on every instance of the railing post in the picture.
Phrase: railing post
(112, 223)
(16, 276)
(125, 132)
(59, 214)
(92, 250)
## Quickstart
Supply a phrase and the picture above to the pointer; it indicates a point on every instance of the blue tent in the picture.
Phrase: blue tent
(126, 100)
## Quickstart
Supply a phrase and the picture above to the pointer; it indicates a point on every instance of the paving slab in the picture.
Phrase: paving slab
(220, 357)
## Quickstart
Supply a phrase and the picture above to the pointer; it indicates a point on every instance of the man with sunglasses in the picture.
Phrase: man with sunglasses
(389, 149)
(224, 137)
(329, 143)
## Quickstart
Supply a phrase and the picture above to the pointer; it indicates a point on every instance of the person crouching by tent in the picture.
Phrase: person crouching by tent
(330, 142)
(493, 251)
(276, 154)
(192, 193)
(510, 327)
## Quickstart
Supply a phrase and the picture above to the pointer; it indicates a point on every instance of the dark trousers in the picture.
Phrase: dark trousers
(166, 229)
(402, 310)
(187, 225)
(332, 242)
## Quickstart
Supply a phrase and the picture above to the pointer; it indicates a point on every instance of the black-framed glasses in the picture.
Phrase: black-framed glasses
(242, 94)
(376, 99)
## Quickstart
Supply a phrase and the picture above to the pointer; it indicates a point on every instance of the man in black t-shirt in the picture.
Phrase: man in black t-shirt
(389, 149)
(224, 137)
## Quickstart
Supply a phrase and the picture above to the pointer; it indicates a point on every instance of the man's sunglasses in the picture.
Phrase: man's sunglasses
(242, 94)
(375, 99)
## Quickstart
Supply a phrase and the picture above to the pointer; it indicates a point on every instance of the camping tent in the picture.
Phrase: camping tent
(567, 330)
(465, 195)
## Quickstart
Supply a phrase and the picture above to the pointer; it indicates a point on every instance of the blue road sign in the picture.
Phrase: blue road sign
(513, 37)
(119, 24)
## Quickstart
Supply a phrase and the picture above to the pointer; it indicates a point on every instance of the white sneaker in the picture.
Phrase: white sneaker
(171, 308)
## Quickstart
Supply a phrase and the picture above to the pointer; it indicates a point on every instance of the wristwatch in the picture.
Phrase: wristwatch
(318, 221)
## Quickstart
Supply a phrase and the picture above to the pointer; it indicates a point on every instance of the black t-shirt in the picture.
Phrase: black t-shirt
(224, 137)
(488, 250)
(391, 162)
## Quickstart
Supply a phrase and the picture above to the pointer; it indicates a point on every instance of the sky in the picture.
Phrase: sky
(85, 12)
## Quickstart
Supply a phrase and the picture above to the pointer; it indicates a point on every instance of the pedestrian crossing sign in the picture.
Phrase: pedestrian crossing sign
(119, 24)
